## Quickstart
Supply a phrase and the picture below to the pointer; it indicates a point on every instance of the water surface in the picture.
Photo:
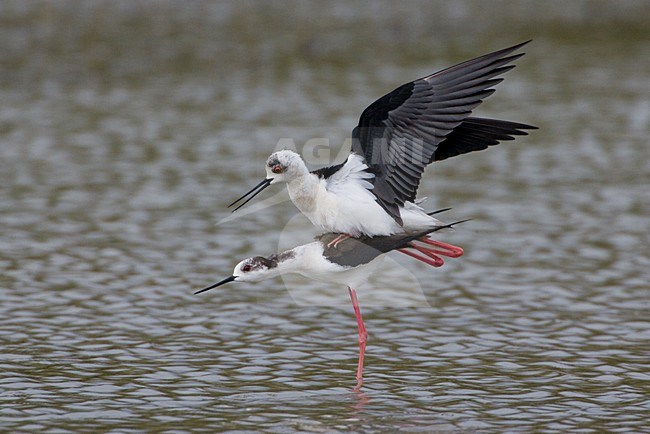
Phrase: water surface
(125, 129)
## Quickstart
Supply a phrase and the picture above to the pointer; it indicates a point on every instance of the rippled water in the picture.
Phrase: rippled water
(125, 129)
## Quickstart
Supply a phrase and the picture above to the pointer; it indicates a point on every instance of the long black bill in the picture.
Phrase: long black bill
(254, 191)
(224, 281)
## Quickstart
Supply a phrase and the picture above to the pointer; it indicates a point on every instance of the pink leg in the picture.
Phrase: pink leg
(363, 337)
(431, 253)
(431, 259)
(335, 242)
(447, 249)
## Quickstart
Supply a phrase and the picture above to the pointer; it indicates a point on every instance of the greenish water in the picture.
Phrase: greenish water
(127, 127)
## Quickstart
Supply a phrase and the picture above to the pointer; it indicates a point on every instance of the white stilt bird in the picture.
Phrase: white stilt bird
(350, 263)
(373, 192)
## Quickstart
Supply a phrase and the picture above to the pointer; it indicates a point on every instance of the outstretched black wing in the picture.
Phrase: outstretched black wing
(399, 133)
(476, 134)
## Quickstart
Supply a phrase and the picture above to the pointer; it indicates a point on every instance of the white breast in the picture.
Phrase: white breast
(344, 203)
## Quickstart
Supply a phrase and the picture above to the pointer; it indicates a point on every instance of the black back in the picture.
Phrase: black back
(326, 172)
(353, 252)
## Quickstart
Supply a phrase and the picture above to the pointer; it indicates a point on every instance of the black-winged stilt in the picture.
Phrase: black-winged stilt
(350, 263)
(374, 191)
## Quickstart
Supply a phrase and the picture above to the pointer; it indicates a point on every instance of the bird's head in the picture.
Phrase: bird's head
(283, 166)
(253, 269)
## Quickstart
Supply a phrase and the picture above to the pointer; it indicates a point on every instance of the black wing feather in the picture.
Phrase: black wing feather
(400, 133)
(353, 252)
(476, 134)
(326, 172)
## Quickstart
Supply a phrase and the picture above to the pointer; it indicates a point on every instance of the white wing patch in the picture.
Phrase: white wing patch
(352, 171)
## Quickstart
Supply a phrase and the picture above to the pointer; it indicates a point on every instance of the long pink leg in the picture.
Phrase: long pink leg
(432, 253)
(430, 259)
(335, 242)
(363, 337)
(447, 249)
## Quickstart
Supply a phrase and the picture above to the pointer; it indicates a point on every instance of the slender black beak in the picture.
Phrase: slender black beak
(224, 281)
(254, 191)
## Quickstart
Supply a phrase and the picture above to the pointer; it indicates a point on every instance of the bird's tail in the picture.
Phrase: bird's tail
(438, 211)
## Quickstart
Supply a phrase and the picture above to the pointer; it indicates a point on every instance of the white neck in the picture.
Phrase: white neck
(303, 191)
(288, 261)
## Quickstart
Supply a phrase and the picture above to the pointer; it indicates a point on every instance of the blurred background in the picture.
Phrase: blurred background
(126, 127)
